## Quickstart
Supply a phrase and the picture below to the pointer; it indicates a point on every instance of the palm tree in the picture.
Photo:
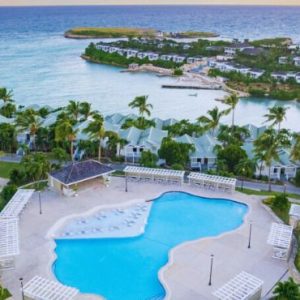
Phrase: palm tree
(36, 166)
(6, 95)
(73, 109)
(8, 109)
(143, 107)
(29, 120)
(295, 153)
(86, 109)
(64, 132)
(269, 144)
(213, 121)
(232, 101)
(287, 290)
(276, 115)
(246, 168)
(96, 130)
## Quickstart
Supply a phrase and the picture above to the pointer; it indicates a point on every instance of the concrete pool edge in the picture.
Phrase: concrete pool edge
(161, 272)
(50, 236)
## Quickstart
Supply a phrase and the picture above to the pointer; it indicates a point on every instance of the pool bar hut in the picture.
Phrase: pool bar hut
(280, 237)
(68, 179)
(39, 288)
(213, 182)
(294, 214)
(243, 286)
(154, 175)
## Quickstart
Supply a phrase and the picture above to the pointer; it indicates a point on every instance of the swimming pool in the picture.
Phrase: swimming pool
(127, 268)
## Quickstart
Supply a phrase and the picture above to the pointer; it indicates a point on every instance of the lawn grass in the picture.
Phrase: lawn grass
(7, 167)
(4, 293)
(266, 193)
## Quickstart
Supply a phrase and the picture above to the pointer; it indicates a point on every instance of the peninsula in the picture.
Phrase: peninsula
(268, 68)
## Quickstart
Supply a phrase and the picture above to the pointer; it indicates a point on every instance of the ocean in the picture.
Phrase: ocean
(43, 67)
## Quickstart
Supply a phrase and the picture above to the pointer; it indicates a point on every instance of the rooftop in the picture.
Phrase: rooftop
(80, 171)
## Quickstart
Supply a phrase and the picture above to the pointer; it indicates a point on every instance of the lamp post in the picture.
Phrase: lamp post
(126, 184)
(211, 268)
(284, 189)
(22, 288)
(40, 202)
(250, 235)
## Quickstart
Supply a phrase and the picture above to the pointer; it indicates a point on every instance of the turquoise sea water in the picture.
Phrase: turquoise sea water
(43, 67)
(127, 268)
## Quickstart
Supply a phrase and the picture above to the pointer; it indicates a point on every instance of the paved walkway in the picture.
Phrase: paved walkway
(185, 276)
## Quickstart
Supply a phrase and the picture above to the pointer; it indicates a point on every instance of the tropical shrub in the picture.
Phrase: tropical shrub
(287, 290)
(229, 157)
(6, 194)
(178, 167)
(17, 177)
(4, 293)
(297, 178)
(148, 159)
(280, 202)
(175, 153)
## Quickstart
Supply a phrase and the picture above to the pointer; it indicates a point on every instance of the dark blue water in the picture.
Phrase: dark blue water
(43, 67)
(127, 268)
(230, 21)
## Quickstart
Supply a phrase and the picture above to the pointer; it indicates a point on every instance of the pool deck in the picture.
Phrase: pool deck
(187, 272)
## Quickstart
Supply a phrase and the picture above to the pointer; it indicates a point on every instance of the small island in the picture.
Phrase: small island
(127, 32)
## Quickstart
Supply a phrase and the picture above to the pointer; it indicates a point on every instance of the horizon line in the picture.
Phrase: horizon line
(149, 4)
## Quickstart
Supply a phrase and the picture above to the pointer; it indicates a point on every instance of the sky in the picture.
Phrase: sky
(146, 2)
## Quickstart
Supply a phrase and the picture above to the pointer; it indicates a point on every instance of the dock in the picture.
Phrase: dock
(192, 86)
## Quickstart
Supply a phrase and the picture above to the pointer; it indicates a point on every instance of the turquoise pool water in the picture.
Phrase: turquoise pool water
(127, 268)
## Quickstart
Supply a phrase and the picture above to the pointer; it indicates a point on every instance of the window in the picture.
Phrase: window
(199, 160)
(134, 149)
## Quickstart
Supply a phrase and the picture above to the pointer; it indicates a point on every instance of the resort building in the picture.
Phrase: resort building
(152, 56)
(296, 61)
(186, 46)
(102, 47)
(68, 179)
(283, 60)
(113, 49)
(232, 49)
(203, 158)
(253, 51)
(193, 60)
(131, 53)
(280, 76)
(141, 140)
(178, 59)
(166, 57)
(282, 169)
(255, 73)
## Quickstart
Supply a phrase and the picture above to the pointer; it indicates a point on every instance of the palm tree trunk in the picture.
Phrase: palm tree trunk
(269, 179)
(232, 121)
(260, 169)
(99, 150)
(72, 151)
